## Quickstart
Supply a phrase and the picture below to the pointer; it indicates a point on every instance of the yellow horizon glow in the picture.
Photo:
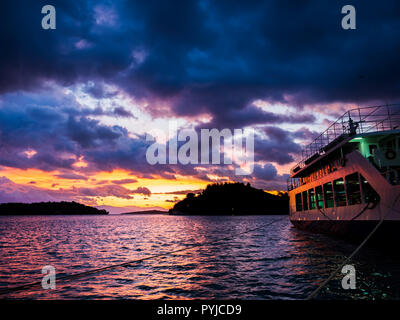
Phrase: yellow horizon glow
(159, 187)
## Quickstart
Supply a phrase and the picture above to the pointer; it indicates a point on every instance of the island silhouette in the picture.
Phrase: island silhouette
(49, 208)
(232, 198)
(145, 212)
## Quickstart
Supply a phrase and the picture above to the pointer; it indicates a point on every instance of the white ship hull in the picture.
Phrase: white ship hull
(349, 178)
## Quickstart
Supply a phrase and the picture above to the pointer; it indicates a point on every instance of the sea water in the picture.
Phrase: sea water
(275, 261)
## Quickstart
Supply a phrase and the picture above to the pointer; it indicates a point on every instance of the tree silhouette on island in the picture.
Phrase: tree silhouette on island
(232, 199)
(49, 208)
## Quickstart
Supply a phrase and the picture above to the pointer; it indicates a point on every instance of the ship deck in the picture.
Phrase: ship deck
(353, 123)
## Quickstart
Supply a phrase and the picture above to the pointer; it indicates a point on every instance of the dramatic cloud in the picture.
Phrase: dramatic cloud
(207, 57)
(124, 181)
(72, 176)
(184, 192)
(266, 172)
(13, 192)
(278, 147)
(77, 100)
(111, 190)
(142, 190)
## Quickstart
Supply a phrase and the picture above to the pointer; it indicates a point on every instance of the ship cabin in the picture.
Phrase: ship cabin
(319, 180)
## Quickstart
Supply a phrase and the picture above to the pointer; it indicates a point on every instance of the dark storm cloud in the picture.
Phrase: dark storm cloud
(111, 190)
(124, 181)
(142, 190)
(118, 111)
(44, 132)
(278, 147)
(207, 57)
(13, 192)
(264, 176)
(253, 115)
(282, 51)
(265, 172)
(72, 176)
(183, 192)
(121, 112)
(98, 90)
(199, 57)
(54, 138)
(33, 55)
(306, 134)
(88, 133)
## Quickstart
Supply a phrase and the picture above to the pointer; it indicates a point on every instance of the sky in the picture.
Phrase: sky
(77, 102)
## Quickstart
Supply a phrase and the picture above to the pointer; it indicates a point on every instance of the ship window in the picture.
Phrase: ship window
(353, 189)
(305, 202)
(340, 195)
(311, 199)
(328, 195)
(319, 197)
(369, 193)
(299, 204)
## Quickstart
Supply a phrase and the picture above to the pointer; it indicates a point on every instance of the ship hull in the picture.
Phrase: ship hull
(348, 179)
(388, 232)
(353, 221)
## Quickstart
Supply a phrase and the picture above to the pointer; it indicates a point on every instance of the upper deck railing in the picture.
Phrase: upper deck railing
(352, 122)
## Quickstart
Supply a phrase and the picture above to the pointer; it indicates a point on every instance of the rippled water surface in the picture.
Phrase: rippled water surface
(274, 262)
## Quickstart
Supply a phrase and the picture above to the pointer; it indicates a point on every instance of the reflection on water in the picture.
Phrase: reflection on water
(275, 262)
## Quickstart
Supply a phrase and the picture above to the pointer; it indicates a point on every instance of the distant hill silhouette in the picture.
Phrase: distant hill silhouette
(49, 208)
(232, 199)
(146, 212)
(122, 210)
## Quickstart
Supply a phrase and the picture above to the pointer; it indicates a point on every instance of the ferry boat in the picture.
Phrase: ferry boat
(348, 178)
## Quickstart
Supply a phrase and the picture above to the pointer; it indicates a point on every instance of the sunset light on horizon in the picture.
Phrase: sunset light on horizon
(73, 127)
(205, 155)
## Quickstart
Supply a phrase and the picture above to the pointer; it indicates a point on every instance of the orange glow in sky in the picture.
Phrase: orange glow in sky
(161, 189)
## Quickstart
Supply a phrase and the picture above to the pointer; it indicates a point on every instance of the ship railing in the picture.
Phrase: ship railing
(352, 122)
